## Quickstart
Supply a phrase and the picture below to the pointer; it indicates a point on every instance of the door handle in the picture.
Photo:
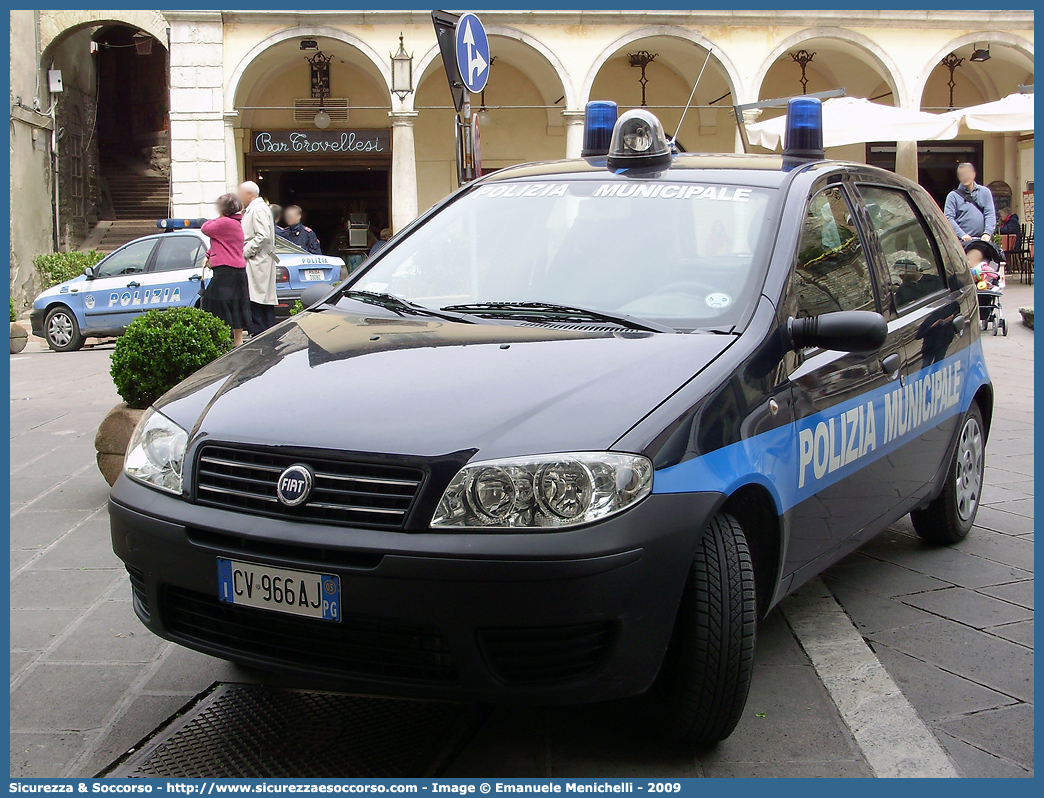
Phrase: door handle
(133, 284)
(890, 364)
(958, 324)
(196, 277)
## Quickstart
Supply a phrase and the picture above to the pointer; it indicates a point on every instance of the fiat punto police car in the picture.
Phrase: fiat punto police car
(599, 417)
(155, 272)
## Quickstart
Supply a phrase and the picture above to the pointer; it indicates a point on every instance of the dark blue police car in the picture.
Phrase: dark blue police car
(600, 417)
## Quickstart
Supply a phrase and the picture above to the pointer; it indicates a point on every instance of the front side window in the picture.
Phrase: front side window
(683, 254)
(831, 271)
(178, 252)
(130, 260)
(914, 266)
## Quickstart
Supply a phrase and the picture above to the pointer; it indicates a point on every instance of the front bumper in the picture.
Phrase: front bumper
(36, 320)
(575, 616)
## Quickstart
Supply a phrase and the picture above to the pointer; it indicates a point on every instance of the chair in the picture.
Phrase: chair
(1012, 252)
(1026, 254)
(1023, 255)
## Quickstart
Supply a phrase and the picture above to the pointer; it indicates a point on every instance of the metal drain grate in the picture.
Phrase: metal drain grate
(247, 731)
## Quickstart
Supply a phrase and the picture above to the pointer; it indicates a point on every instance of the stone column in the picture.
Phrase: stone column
(232, 172)
(906, 159)
(574, 125)
(1011, 162)
(197, 126)
(404, 170)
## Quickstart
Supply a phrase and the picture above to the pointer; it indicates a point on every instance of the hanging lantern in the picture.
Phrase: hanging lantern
(402, 72)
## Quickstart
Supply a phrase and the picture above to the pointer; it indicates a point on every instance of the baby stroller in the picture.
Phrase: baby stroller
(988, 273)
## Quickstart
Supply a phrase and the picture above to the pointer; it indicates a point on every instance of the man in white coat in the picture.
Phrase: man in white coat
(259, 251)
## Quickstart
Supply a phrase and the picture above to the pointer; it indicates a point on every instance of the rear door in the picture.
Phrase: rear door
(927, 323)
(174, 276)
(113, 298)
(842, 483)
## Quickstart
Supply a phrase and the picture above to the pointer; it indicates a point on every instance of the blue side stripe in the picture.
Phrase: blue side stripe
(774, 460)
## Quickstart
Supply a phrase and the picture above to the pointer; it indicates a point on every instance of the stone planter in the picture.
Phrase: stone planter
(19, 337)
(113, 436)
(1027, 317)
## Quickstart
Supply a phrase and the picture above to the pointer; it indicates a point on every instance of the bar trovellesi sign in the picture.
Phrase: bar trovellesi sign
(322, 142)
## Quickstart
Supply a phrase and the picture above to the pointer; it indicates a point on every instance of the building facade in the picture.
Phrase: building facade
(237, 100)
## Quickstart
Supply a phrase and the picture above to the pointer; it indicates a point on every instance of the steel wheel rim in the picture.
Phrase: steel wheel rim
(968, 473)
(60, 329)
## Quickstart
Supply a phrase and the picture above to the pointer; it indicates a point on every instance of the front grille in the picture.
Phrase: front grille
(550, 654)
(345, 493)
(355, 646)
(141, 597)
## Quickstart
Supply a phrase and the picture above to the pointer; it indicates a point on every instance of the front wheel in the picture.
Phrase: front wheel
(703, 683)
(949, 518)
(62, 331)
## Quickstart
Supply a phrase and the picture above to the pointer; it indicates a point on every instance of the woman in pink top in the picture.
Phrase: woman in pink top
(227, 295)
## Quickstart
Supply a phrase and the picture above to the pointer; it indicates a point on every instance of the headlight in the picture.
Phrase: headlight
(156, 452)
(544, 490)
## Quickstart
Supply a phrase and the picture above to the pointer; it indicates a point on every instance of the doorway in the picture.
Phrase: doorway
(333, 198)
(936, 163)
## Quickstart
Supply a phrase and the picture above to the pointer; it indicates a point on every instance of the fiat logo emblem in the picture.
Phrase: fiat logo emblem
(294, 485)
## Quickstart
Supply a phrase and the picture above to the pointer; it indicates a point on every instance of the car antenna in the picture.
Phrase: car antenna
(677, 130)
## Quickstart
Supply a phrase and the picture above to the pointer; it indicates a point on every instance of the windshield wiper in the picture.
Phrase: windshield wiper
(528, 310)
(400, 305)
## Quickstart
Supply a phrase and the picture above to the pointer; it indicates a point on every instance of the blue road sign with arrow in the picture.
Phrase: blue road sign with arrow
(472, 53)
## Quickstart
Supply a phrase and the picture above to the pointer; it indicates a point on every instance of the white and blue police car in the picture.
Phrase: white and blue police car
(163, 270)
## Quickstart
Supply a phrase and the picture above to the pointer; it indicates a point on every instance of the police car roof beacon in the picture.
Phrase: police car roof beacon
(803, 135)
(638, 143)
(599, 120)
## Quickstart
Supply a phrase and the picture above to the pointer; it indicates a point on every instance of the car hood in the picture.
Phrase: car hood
(58, 290)
(421, 386)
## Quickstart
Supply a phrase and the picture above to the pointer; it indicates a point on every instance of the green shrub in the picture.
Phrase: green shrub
(297, 308)
(14, 313)
(163, 347)
(57, 267)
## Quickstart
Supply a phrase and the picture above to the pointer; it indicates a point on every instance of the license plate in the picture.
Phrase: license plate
(314, 275)
(279, 590)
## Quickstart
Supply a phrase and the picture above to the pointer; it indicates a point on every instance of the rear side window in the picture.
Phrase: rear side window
(831, 271)
(914, 267)
(178, 252)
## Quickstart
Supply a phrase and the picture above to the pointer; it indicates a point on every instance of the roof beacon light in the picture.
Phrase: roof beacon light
(179, 224)
(803, 138)
(638, 143)
(599, 121)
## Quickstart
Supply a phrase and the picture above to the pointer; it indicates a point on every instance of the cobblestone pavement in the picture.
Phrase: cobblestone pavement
(953, 627)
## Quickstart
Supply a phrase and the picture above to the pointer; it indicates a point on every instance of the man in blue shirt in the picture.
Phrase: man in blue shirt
(297, 233)
(969, 207)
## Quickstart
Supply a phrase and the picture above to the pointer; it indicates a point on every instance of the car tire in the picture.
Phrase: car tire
(950, 516)
(61, 330)
(702, 687)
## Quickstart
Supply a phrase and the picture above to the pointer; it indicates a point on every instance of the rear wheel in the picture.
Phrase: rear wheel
(702, 687)
(62, 331)
(949, 518)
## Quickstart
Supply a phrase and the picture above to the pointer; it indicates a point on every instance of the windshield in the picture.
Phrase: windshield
(681, 254)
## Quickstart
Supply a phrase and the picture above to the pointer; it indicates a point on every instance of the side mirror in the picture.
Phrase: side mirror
(88, 272)
(841, 331)
(315, 293)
